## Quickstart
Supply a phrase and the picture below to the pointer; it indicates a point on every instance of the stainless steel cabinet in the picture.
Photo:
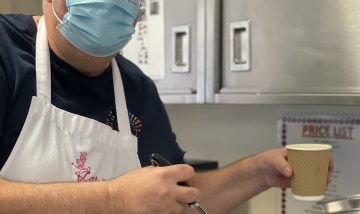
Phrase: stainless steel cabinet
(203, 18)
(184, 52)
(290, 52)
(185, 45)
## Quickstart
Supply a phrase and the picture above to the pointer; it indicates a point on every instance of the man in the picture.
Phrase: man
(60, 90)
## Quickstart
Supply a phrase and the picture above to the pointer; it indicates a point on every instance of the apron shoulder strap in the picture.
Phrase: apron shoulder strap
(43, 77)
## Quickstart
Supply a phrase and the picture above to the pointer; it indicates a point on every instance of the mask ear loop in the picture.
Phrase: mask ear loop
(57, 17)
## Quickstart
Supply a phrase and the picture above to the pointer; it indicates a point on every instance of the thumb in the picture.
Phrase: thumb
(286, 171)
(282, 165)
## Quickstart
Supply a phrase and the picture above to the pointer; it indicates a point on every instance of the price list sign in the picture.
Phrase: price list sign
(343, 133)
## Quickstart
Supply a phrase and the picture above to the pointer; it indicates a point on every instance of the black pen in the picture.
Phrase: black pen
(158, 160)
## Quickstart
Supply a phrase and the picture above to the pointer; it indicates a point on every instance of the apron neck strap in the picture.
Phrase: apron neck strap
(120, 100)
(43, 75)
(43, 78)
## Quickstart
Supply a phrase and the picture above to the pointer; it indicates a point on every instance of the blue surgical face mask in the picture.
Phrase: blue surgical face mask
(99, 28)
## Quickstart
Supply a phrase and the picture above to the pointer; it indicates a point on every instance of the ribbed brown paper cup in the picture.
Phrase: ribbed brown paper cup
(310, 163)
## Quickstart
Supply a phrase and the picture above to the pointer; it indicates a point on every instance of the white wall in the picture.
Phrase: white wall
(229, 132)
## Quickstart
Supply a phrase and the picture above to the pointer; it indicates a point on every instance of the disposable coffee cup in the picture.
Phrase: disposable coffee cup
(310, 163)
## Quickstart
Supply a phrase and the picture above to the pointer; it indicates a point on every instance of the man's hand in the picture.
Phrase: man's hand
(153, 190)
(276, 171)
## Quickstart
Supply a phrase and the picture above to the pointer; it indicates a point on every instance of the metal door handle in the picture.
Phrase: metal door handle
(240, 46)
(181, 49)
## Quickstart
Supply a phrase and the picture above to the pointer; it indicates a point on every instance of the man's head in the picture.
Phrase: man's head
(99, 28)
(88, 33)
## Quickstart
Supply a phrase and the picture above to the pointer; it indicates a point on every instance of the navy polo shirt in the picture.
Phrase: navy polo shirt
(91, 97)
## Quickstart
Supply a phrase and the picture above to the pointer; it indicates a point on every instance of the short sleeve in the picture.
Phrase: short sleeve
(3, 98)
(4, 87)
(157, 135)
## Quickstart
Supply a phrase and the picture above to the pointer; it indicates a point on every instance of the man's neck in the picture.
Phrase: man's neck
(85, 64)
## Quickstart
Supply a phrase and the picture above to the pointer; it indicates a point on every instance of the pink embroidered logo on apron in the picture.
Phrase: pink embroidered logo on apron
(83, 173)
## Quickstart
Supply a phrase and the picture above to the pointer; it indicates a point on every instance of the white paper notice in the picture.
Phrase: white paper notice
(147, 47)
(343, 133)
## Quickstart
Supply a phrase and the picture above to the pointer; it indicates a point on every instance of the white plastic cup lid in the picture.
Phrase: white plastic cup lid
(309, 147)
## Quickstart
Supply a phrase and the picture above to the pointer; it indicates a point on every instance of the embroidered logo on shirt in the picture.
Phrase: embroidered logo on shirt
(112, 121)
(83, 172)
(135, 122)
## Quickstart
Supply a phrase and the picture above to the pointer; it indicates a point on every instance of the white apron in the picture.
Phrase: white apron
(55, 145)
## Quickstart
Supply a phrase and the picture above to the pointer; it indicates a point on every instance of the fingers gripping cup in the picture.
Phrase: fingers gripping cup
(310, 163)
